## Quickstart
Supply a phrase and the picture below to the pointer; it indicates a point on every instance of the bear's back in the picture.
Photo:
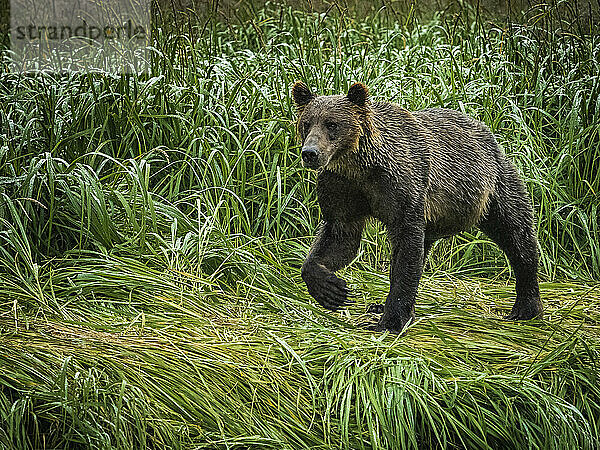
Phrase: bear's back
(463, 161)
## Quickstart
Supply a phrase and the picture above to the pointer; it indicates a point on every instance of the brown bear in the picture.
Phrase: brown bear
(425, 175)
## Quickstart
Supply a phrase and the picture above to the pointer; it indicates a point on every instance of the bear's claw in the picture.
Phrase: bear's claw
(397, 325)
(526, 311)
(331, 292)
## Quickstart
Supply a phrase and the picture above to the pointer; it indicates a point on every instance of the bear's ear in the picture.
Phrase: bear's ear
(301, 93)
(358, 94)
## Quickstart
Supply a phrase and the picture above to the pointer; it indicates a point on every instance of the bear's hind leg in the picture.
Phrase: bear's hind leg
(509, 223)
(428, 244)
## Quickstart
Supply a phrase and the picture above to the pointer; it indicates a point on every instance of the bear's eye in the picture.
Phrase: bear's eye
(331, 127)
(305, 128)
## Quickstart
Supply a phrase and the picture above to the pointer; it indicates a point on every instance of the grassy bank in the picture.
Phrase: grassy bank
(181, 363)
(152, 227)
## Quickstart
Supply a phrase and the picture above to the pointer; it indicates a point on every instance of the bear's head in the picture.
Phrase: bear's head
(330, 126)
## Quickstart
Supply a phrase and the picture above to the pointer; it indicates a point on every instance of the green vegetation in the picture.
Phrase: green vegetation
(152, 227)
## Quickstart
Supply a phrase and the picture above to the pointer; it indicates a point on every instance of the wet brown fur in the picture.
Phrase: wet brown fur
(426, 175)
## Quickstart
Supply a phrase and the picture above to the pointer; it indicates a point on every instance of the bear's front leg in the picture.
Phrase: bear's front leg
(407, 246)
(335, 246)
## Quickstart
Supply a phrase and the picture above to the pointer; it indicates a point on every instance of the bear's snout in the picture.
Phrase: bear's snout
(310, 157)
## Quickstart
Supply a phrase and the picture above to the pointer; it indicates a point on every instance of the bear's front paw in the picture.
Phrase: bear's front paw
(330, 291)
(393, 324)
(526, 310)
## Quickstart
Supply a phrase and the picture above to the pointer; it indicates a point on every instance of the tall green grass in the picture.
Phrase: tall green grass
(152, 226)
(213, 121)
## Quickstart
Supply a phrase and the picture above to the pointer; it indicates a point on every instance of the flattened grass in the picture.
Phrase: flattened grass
(258, 369)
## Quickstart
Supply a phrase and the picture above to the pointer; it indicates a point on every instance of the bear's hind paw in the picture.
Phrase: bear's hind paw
(375, 308)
